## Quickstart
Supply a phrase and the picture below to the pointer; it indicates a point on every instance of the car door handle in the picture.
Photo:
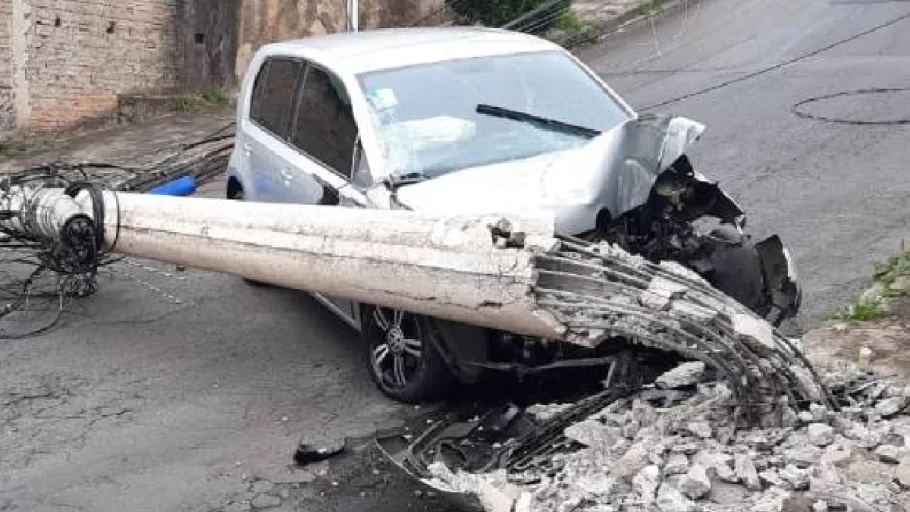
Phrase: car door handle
(287, 175)
(247, 149)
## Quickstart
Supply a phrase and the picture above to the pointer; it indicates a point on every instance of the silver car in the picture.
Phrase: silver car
(482, 120)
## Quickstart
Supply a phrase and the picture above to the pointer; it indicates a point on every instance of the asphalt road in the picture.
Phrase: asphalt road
(838, 194)
(187, 391)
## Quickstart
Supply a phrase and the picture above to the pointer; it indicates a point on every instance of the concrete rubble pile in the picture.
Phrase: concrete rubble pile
(642, 453)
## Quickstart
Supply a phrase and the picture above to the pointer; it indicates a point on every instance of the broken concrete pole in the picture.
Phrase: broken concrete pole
(510, 274)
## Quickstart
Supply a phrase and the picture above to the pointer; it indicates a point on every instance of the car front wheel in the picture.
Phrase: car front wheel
(402, 358)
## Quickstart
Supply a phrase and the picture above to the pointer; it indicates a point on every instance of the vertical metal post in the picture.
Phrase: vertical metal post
(353, 15)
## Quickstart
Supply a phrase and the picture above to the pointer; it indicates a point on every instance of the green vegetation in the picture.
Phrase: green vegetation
(186, 103)
(193, 102)
(863, 310)
(570, 21)
(891, 280)
(651, 8)
(894, 275)
(495, 13)
(218, 96)
(11, 149)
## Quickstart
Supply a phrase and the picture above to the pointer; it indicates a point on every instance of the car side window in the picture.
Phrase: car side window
(324, 127)
(273, 95)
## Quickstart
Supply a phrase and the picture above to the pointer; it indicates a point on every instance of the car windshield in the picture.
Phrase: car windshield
(437, 118)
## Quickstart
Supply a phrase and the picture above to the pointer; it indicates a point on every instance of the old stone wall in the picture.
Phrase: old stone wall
(207, 42)
(65, 63)
(7, 112)
(266, 21)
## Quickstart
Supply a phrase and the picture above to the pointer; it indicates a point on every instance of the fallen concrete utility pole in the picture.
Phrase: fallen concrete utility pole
(511, 274)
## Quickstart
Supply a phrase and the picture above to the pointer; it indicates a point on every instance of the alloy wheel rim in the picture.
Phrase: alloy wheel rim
(398, 351)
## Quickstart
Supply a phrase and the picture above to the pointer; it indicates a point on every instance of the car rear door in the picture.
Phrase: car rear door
(323, 136)
(265, 134)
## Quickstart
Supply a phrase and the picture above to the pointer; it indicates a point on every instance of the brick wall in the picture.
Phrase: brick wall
(64, 63)
(83, 53)
(7, 113)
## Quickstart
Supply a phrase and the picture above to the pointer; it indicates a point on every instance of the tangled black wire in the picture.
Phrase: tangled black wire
(54, 268)
(38, 275)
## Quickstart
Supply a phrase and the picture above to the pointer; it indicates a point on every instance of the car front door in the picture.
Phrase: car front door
(323, 137)
(264, 135)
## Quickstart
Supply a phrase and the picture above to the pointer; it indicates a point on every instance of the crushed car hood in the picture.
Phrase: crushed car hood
(615, 172)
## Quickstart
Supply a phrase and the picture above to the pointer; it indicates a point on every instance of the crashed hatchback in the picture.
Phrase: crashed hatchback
(471, 120)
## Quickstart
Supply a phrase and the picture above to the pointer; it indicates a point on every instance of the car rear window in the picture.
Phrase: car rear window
(325, 128)
(273, 95)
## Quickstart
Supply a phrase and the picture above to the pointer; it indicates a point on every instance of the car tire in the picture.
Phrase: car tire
(237, 195)
(402, 356)
(737, 270)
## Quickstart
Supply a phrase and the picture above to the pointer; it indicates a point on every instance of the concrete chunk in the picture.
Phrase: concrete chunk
(820, 434)
(695, 484)
(677, 464)
(746, 472)
(593, 434)
(684, 375)
(891, 406)
(646, 483)
(890, 454)
(754, 328)
(795, 478)
(669, 499)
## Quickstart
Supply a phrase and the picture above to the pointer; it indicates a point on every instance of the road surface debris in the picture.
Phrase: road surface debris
(583, 458)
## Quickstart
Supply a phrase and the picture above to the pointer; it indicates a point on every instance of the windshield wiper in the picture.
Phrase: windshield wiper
(542, 122)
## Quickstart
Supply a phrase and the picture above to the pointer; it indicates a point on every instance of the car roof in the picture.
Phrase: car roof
(373, 50)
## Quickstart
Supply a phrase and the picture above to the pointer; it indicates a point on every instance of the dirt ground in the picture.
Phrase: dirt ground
(889, 339)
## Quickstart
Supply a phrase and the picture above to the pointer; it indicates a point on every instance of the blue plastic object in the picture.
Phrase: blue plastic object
(180, 187)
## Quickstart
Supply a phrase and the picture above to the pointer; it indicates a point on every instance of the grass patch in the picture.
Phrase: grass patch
(895, 271)
(193, 102)
(570, 21)
(863, 310)
(651, 8)
(186, 104)
(218, 96)
(11, 149)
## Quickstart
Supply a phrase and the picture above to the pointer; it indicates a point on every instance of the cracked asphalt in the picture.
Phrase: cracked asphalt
(188, 391)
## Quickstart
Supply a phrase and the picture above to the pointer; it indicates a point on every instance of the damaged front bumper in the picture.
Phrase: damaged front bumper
(782, 287)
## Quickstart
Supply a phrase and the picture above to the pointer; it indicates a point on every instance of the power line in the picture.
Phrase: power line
(778, 65)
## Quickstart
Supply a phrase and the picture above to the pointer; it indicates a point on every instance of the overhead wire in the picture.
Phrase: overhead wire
(778, 65)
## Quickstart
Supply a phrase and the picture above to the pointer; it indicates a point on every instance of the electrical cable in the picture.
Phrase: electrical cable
(66, 267)
(778, 65)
